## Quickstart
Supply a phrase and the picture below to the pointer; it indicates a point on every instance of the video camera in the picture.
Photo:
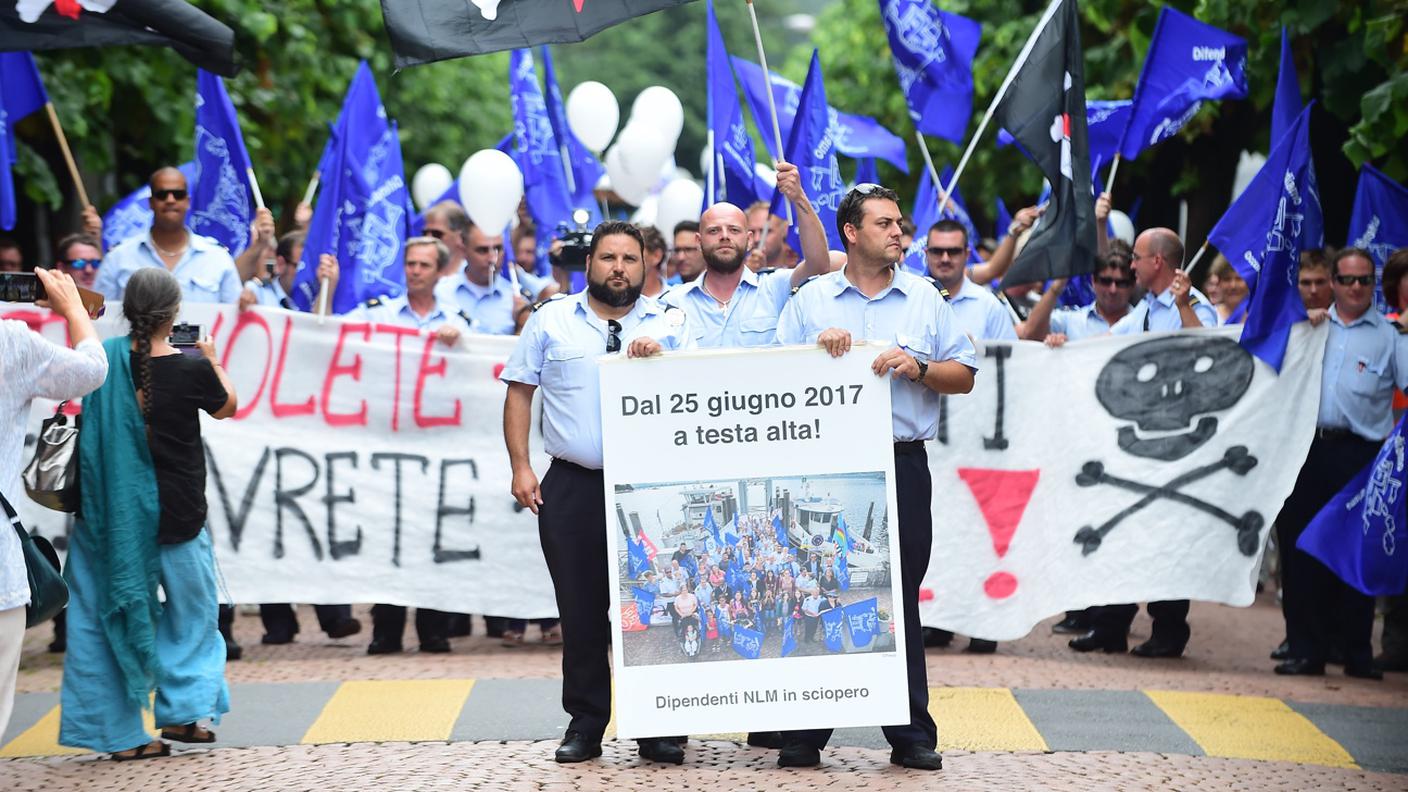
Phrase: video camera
(576, 243)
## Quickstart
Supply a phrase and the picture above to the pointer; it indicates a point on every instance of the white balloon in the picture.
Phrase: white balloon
(704, 156)
(592, 114)
(644, 152)
(1122, 225)
(680, 200)
(659, 107)
(648, 211)
(623, 183)
(491, 186)
(429, 183)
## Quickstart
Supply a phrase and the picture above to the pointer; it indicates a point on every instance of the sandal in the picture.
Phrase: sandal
(144, 751)
(552, 636)
(189, 733)
(511, 639)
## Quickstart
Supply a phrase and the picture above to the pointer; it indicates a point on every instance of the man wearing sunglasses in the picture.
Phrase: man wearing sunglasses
(479, 289)
(978, 311)
(926, 354)
(201, 265)
(558, 353)
(1113, 283)
(1366, 359)
(80, 255)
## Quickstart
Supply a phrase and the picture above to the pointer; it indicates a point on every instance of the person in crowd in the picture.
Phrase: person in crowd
(1314, 280)
(686, 260)
(531, 286)
(420, 307)
(976, 310)
(656, 252)
(768, 232)
(1366, 359)
(873, 299)
(480, 290)
(80, 256)
(811, 610)
(1232, 308)
(611, 316)
(144, 524)
(11, 255)
(1113, 283)
(32, 367)
(447, 222)
(263, 238)
(201, 265)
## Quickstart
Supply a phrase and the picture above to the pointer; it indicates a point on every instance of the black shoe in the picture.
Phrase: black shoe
(576, 747)
(917, 757)
(1363, 671)
(381, 647)
(1157, 648)
(1282, 652)
(661, 749)
(58, 646)
(494, 626)
(435, 645)
(1073, 624)
(277, 638)
(233, 651)
(770, 739)
(344, 628)
(1094, 640)
(1384, 662)
(937, 638)
(460, 625)
(979, 646)
(797, 754)
(1299, 667)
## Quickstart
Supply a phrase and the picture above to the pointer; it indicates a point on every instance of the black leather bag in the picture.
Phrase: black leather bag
(51, 479)
(48, 593)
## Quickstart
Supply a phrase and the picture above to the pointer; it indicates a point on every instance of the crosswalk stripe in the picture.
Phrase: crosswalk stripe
(982, 719)
(390, 711)
(42, 739)
(1250, 727)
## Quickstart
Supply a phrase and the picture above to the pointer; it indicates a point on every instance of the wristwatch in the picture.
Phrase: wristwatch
(923, 369)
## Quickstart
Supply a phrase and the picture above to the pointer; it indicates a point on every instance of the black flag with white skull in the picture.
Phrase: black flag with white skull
(1044, 109)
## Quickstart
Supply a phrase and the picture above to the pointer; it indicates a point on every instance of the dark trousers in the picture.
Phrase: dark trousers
(1170, 620)
(389, 624)
(914, 490)
(279, 618)
(1318, 605)
(1395, 638)
(519, 625)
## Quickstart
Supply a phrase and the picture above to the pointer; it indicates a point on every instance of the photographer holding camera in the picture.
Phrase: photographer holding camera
(143, 525)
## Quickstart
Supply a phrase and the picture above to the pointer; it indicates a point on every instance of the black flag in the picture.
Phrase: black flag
(424, 31)
(65, 24)
(1044, 109)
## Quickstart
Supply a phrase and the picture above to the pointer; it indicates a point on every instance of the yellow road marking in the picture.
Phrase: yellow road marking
(982, 719)
(1250, 727)
(400, 710)
(42, 739)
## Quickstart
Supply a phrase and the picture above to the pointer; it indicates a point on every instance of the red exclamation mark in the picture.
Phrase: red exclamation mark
(1002, 496)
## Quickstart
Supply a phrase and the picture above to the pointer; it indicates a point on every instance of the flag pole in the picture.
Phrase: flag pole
(928, 163)
(68, 154)
(1110, 181)
(1197, 257)
(1001, 92)
(312, 188)
(567, 169)
(772, 101)
(713, 159)
(254, 188)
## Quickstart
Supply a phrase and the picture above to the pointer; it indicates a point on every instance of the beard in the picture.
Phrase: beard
(616, 298)
(715, 261)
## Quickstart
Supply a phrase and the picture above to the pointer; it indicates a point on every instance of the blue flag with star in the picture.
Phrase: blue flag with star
(932, 51)
(862, 621)
(833, 623)
(1379, 221)
(812, 148)
(222, 201)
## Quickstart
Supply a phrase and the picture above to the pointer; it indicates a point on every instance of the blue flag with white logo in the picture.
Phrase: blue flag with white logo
(1379, 222)
(843, 572)
(779, 530)
(363, 212)
(645, 604)
(725, 626)
(639, 560)
(789, 636)
(932, 51)
(748, 643)
(586, 169)
(1188, 63)
(21, 94)
(863, 621)
(711, 526)
(1263, 233)
(833, 623)
(538, 154)
(222, 202)
(732, 156)
(132, 214)
(812, 148)
(856, 136)
(1287, 104)
(1358, 532)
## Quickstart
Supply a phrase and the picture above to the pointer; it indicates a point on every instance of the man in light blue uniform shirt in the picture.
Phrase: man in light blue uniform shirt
(729, 305)
(421, 306)
(201, 265)
(558, 352)
(1112, 281)
(926, 354)
(1366, 359)
(1170, 302)
(978, 311)
(273, 292)
(483, 294)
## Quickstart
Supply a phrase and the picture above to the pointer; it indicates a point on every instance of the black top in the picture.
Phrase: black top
(181, 387)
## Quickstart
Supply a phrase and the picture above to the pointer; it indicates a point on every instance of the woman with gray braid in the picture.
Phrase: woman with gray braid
(143, 526)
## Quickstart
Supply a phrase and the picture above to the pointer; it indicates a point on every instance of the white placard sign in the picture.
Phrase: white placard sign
(1118, 469)
(744, 457)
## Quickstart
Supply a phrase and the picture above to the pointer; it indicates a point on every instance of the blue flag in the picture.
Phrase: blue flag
(959, 212)
(711, 526)
(933, 55)
(639, 561)
(645, 604)
(1188, 63)
(689, 565)
(1262, 234)
(21, 93)
(844, 539)
(833, 623)
(789, 636)
(863, 621)
(1357, 534)
(747, 643)
(779, 530)
(732, 156)
(1004, 221)
(866, 172)
(924, 214)
(843, 572)
(856, 136)
(537, 153)
(363, 214)
(586, 170)
(1080, 292)
(222, 202)
(812, 148)
(1379, 222)
(1287, 104)
(725, 626)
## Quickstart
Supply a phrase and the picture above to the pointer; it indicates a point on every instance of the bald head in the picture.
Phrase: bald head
(1158, 253)
(724, 238)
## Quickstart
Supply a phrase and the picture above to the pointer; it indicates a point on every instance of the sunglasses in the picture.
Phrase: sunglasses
(865, 188)
(162, 195)
(684, 251)
(78, 264)
(1350, 280)
(485, 250)
(951, 252)
(1123, 283)
(613, 339)
(435, 232)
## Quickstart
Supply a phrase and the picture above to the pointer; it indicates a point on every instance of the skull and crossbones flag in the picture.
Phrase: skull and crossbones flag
(425, 31)
(70, 24)
(1043, 107)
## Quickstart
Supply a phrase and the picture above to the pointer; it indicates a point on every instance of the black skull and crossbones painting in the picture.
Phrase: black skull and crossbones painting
(1169, 387)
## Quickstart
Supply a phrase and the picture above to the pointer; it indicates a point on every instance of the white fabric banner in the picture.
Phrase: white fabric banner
(1118, 469)
(738, 458)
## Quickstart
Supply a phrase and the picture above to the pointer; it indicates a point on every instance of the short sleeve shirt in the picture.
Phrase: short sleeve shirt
(749, 319)
(1364, 361)
(1158, 313)
(205, 270)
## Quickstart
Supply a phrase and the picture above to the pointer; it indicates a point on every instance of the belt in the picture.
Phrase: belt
(575, 466)
(1337, 433)
(909, 446)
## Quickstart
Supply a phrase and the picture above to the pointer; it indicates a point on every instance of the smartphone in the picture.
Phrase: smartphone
(21, 287)
(184, 338)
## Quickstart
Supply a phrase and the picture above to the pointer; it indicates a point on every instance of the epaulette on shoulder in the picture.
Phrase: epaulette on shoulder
(541, 303)
(373, 302)
(766, 271)
(799, 286)
(942, 291)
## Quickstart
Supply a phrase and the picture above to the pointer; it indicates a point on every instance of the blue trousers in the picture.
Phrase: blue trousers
(190, 685)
